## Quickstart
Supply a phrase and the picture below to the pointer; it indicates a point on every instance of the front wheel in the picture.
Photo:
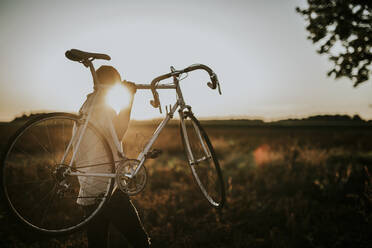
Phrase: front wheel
(38, 184)
(202, 160)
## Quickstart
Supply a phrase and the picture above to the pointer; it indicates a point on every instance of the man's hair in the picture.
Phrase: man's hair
(108, 75)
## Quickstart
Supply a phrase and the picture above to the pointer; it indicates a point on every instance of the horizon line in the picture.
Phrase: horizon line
(211, 118)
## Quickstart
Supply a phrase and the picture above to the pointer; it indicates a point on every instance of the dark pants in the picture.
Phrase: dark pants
(120, 212)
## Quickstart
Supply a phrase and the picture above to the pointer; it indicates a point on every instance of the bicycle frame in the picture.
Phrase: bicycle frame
(59, 188)
(180, 105)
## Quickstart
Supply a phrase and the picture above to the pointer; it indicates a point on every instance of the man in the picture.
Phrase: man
(119, 211)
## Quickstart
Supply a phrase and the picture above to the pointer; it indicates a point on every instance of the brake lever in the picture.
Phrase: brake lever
(215, 83)
(210, 85)
(156, 102)
(219, 87)
(156, 105)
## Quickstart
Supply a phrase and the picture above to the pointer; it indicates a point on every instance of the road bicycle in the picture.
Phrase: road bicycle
(45, 164)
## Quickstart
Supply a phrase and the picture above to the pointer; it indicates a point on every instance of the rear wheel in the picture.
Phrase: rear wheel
(202, 160)
(37, 184)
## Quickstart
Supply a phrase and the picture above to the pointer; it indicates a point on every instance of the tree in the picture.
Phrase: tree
(342, 29)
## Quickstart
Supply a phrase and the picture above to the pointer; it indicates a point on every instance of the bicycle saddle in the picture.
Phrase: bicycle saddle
(77, 55)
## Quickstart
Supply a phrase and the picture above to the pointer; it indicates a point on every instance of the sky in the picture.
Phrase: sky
(266, 66)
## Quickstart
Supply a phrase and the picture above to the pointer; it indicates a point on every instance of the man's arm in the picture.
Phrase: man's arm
(121, 121)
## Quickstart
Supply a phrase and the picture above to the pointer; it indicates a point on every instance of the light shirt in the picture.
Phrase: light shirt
(92, 151)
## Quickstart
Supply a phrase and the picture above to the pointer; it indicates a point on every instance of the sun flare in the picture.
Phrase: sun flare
(118, 97)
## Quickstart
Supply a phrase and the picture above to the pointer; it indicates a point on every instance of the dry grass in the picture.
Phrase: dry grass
(286, 187)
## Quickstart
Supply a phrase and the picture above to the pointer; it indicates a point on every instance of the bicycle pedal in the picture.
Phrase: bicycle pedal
(154, 153)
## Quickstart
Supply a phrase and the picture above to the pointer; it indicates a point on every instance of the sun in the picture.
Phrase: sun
(118, 97)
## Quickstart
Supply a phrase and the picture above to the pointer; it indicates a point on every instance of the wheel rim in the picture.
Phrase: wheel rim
(202, 164)
(37, 185)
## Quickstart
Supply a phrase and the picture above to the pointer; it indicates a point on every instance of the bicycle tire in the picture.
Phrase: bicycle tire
(31, 175)
(206, 172)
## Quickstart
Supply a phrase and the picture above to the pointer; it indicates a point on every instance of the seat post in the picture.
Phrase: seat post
(88, 63)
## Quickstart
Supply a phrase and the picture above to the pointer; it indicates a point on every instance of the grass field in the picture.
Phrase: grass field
(286, 187)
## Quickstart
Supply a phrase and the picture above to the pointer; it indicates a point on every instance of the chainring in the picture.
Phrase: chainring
(134, 185)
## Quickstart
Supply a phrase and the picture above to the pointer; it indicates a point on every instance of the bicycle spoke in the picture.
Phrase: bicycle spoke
(23, 151)
(40, 201)
(50, 142)
(32, 191)
(63, 136)
(47, 207)
(37, 141)
(30, 182)
(36, 195)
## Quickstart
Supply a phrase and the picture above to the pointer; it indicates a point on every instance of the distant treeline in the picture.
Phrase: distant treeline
(317, 120)
(325, 120)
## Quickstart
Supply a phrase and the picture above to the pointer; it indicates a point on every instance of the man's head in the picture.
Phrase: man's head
(108, 75)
